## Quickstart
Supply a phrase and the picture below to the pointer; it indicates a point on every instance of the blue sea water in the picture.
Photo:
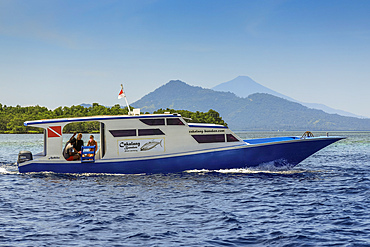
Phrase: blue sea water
(324, 201)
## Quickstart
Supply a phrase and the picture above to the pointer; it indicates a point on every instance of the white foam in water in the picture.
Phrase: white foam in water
(278, 166)
(257, 171)
(3, 170)
(263, 169)
(247, 171)
(197, 171)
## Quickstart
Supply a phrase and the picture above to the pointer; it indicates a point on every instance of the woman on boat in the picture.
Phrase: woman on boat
(92, 142)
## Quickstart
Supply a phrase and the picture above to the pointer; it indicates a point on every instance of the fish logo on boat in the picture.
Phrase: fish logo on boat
(150, 145)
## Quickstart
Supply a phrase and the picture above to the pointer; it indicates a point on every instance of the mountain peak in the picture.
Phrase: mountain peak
(174, 82)
(243, 78)
(243, 86)
(174, 85)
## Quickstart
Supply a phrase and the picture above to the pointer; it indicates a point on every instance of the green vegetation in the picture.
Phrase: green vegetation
(13, 117)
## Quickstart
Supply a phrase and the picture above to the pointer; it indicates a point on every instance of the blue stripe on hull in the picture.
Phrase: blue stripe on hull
(289, 153)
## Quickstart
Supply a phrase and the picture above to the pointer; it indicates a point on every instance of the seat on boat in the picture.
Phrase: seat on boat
(88, 154)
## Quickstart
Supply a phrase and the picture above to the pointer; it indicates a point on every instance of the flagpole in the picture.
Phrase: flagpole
(124, 95)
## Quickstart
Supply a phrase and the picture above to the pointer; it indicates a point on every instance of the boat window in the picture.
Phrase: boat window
(123, 133)
(153, 121)
(209, 138)
(150, 132)
(174, 121)
(231, 138)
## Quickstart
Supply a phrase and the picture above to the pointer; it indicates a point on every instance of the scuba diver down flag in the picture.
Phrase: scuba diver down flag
(54, 131)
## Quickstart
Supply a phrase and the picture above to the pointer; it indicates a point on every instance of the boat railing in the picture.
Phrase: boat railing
(88, 154)
(307, 134)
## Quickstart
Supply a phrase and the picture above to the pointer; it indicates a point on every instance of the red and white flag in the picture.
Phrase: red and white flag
(121, 93)
(54, 131)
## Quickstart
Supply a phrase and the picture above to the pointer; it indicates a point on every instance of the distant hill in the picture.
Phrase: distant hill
(86, 105)
(243, 86)
(258, 111)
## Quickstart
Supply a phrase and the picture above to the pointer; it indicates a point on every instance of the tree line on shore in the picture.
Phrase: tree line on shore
(12, 118)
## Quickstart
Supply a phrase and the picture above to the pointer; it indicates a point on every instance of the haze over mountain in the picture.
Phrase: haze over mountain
(243, 86)
(259, 111)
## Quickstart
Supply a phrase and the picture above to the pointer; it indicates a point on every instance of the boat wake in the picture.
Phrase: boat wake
(251, 171)
(8, 169)
(247, 171)
(273, 167)
(3, 170)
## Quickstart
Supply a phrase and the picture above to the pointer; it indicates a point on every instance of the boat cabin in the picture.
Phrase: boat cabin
(128, 136)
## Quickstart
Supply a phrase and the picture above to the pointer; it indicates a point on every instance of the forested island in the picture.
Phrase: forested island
(12, 118)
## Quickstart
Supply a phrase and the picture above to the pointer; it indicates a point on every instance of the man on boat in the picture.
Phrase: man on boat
(79, 143)
(70, 153)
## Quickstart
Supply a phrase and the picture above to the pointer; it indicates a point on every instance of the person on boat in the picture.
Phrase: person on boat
(92, 142)
(79, 143)
(70, 153)
(65, 146)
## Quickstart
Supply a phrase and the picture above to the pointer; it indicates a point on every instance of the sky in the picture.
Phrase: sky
(62, 53)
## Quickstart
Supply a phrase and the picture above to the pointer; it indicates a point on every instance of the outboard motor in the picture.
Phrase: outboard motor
(24, 156)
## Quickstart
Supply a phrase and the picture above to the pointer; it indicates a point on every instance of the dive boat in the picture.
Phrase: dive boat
(164, 143)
